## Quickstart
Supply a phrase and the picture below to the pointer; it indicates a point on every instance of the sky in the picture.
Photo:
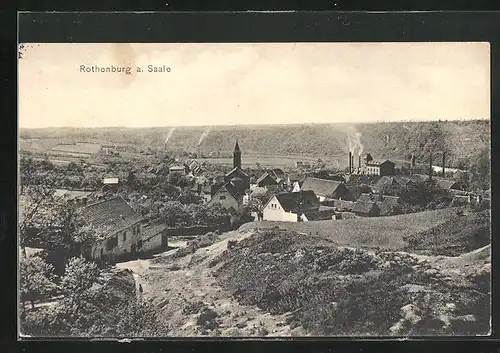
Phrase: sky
(252, 83)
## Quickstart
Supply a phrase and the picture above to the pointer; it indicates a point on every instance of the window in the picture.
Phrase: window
(222, 197)
(124, 236)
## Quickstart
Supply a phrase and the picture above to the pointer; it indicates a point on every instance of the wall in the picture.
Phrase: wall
(274, 212)
(154, 243)
(225, 199)
(123, 248)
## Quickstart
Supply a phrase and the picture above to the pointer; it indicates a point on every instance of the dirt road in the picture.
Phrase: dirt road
(183, 288)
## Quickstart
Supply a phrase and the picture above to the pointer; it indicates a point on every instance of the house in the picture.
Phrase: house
(339, 205)
(446, 184)
(299, 164)
(266, 180)
(277, 173)
(206, 193)
(75, 198)
(177, 169)
(292, 178)
(324, 213)
(288, 206)
(229, 196)
(366, 209)
(326, 188)
(380, 167)
(118, 224)
(296, 187)
(154, 237)
(110, 184)
(390, 205)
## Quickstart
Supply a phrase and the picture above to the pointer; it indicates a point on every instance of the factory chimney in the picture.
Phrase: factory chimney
(350, 162)
(444, 161)
(359, 162)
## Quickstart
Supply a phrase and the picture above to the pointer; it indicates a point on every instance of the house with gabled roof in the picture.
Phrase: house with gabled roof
(366, 209)
(117, 224)
(266, 180)
(288, 206)
(380, 167)
(326, 189)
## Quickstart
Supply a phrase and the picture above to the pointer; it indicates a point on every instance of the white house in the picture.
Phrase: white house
(288, 206)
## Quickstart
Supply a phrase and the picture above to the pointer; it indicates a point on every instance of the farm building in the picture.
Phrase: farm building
(154, 237)
(266, 180)
(116, 222)
(366, 209)
(110, 184)
(288, 206)
(277, 174)
(380, 167)
(177, 169)
(326, 188)
(75, 198)
(390, 205)
(319, 215)
(446, 184)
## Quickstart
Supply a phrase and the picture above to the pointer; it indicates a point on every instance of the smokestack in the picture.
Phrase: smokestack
(350, 162)
(444, 161)
(359, 162)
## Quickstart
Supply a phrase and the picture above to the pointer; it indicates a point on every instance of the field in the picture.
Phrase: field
(379, 232)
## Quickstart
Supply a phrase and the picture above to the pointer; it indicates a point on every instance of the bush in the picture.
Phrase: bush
(207, 319)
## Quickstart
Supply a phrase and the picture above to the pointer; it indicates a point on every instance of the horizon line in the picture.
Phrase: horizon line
(250, 124)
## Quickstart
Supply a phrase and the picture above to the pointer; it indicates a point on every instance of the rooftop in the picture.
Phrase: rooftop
(110, 216)
(320, 187)
(296, 201)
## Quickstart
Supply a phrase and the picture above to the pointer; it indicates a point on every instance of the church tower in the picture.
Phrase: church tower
(237, 156)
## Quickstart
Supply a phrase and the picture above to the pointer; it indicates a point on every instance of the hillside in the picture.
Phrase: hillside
(397, 140)
(283, 283)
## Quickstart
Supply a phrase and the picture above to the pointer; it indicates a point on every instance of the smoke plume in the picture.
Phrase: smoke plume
(354, 140)
(169, 135)
(203, 136)
(358, 141)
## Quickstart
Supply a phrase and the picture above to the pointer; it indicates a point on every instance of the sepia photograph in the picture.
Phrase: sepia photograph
(254, 190)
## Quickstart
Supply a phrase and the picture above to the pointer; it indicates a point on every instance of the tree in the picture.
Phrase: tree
(36, 279)
(480, 170)
(175, 214)
(79, 276)
(217, 214)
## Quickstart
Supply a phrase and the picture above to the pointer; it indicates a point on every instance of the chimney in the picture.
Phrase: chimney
(444, 161)
(350, 161)
(359, 162)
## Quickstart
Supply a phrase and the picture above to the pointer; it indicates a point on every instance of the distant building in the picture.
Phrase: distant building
(323, 214)
(292, 178)
(277, 174)
(380, 167)
(289, 206)
(177, 169)
(110, 184)
(366, 209)
(326, 188)
(299, 164)
(75, 198)
(229, 196)
(118, 224)
(266, 180)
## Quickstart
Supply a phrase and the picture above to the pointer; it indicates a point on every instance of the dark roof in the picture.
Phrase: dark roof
(110, 216)
(278, 172)
(363, 207)
(232, 190)
(378, 162)
(296, 201)
(319, 215)
(365, 197)
(237, 147)
(343, 205)
(320, 187)
(385, 181)
(238, 171)
(389, 205)
(153, 229)
(264, 176)
(293, 177)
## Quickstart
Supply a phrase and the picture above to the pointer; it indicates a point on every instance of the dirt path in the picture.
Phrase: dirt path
(182, 288)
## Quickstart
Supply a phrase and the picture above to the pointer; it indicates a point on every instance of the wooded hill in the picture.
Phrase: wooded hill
(462, 140)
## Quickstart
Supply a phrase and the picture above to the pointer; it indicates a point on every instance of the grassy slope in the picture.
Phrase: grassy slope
(383, 232)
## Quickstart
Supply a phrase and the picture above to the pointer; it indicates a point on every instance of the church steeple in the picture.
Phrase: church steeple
(237, 156)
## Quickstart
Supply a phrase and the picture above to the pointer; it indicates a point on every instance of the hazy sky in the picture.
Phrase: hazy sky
(265, 83)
